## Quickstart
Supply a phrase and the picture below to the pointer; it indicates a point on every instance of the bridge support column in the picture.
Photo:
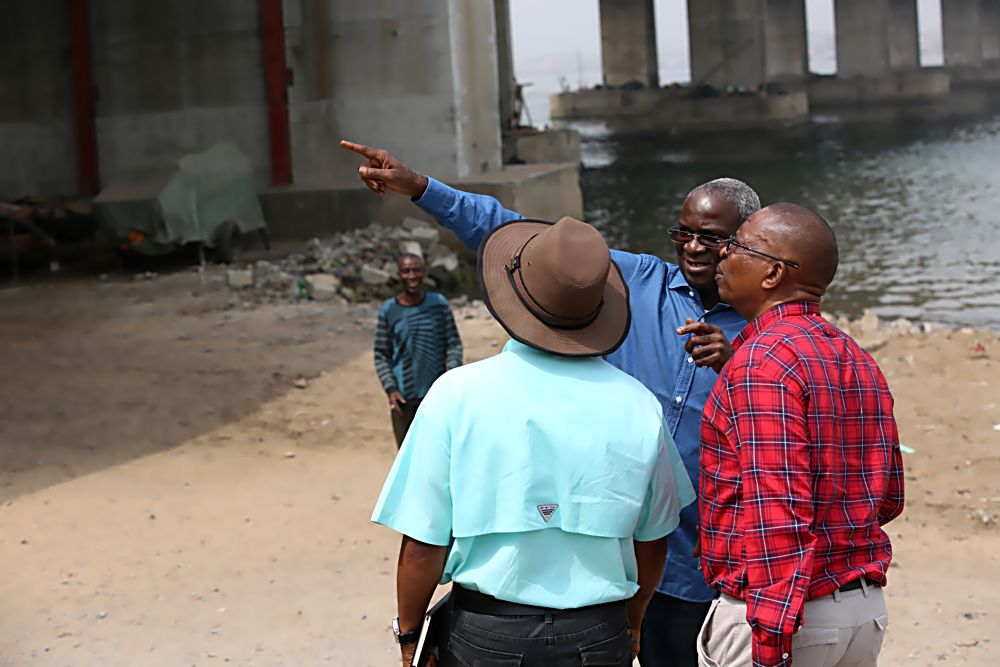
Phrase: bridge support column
(628, 43)
(505, 65)
(787, 49)
(862, 37)
(961, 31)
(990, 22)
(747, 43)
(726, 40)
(904, 42)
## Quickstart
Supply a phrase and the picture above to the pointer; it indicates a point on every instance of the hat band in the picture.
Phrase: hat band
(537, 310)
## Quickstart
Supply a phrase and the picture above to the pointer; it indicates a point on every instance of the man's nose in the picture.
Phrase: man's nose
(695, 245)
(723, 251)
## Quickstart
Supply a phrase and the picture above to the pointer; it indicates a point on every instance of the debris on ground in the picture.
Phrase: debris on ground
(356, 265)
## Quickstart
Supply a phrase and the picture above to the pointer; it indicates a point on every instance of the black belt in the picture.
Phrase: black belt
(479, 603)
(856, 584)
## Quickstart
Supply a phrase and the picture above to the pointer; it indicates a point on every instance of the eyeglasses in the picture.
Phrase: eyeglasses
(682, 236)
(731, 241)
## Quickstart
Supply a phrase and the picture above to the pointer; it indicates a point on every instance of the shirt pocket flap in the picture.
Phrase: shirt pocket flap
(815, 637)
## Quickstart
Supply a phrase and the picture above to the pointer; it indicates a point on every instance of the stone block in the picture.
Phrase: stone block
(373, 275)
(426, 236)
(239, 278)
(322, 286)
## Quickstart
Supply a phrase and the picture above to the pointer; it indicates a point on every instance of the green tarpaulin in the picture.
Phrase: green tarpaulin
(185, 203)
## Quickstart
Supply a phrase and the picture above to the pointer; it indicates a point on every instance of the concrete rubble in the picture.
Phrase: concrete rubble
(356, 265)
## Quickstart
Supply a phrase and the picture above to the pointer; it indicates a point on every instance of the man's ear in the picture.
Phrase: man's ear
(774, 276)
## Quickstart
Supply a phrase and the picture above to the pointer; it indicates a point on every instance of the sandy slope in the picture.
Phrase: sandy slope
(171, 498)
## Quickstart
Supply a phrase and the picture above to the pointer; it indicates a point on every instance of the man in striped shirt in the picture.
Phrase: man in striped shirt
(416, 341)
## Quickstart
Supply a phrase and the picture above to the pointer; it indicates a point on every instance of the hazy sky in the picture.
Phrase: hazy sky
(559, 40)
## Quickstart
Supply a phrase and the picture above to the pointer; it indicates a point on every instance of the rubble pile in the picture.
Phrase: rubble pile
(356, 265)
(873, 333)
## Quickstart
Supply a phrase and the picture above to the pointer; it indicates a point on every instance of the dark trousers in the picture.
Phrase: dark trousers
(670, 632)
(401, 423)
(596, 635)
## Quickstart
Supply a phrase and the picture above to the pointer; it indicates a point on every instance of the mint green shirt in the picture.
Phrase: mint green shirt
(538, 471)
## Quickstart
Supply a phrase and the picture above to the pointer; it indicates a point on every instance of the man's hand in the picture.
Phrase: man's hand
(384, 173)
(408, 650)
(636, 632)
(396, 402)
(707, 344)
(408, 656)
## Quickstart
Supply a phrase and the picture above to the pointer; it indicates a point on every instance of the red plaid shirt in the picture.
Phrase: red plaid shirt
(800, 468)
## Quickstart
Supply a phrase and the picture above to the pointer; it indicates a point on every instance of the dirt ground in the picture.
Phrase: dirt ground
(170, 496)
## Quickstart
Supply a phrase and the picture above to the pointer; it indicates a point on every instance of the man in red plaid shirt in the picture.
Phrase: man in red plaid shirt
(800, 464)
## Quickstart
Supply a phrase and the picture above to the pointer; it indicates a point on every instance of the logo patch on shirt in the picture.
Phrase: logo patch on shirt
(547, 511)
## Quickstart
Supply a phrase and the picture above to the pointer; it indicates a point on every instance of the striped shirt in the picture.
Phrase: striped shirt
(414, 345)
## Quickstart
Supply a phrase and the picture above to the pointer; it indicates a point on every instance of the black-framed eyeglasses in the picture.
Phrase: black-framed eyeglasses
(682, 236)
(731, 241)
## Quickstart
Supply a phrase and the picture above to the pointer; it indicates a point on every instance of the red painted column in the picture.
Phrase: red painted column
(277, 80)
(87, 163)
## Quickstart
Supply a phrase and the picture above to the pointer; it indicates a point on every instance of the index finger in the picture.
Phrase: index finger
(696, 327)
(360, 149)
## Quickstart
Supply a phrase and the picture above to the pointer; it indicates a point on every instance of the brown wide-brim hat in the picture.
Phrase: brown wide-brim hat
(554, 287)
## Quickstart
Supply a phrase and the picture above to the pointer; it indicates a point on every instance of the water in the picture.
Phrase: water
(916, 205)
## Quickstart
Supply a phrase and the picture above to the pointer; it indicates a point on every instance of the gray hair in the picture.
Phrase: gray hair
(736, 192)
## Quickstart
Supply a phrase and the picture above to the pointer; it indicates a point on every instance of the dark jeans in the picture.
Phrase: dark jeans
(401, 423)
(670, 632)
(589, 636)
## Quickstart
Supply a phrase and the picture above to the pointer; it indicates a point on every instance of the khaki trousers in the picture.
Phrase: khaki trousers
(844, 629)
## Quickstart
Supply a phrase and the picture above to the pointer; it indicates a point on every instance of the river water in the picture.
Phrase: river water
(915, 205)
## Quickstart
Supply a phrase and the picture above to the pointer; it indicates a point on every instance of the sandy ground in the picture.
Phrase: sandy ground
(171, 497)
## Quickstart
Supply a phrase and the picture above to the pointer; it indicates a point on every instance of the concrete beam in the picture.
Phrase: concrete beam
(961, 32)
(904, 42)
(727, 44)
(862, 37)
(787, 49)
(990, 21)
(628, 43)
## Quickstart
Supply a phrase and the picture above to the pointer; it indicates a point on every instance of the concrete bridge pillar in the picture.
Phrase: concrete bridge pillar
(726, 40)
(747, 43)
(505, 65)
(628, 42)
(875, 37)
(428, 78)
(787, 50)
(904, 41)
(961, 31)
(990, 21)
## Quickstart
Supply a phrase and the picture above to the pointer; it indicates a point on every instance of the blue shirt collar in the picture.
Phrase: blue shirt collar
(676, 281)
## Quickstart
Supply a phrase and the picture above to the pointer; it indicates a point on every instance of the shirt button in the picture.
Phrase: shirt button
(691, 293)
(677, 399)
(690, 359)
(784, 656)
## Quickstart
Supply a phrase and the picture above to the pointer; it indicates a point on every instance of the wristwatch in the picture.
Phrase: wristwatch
(410, 637)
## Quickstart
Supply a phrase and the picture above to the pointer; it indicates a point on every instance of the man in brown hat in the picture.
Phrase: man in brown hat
(678, 341)
(542, 481)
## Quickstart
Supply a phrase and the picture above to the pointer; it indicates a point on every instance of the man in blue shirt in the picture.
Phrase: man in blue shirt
(678, 341)
(541, 481)
(416, 341)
